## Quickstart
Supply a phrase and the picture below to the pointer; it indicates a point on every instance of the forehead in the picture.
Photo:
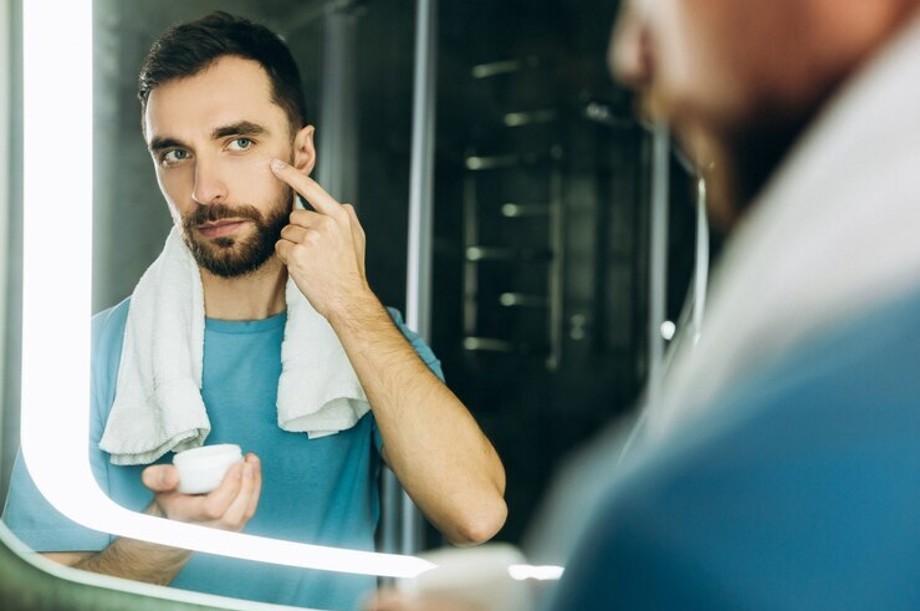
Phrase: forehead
(230, 90)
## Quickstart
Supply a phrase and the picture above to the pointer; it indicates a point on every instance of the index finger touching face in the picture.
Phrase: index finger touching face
(321, 201)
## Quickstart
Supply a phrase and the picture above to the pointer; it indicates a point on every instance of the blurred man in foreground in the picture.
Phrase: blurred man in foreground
(780, 469)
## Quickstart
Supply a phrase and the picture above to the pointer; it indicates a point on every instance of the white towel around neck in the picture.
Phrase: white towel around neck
(158, 406)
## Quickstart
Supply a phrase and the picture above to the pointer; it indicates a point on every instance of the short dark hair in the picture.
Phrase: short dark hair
(186, 49)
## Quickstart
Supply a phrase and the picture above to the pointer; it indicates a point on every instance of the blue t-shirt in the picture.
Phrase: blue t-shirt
(799, 489)
(321, 491)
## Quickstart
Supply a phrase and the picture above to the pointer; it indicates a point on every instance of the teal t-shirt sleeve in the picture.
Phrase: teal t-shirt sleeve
(27, 513)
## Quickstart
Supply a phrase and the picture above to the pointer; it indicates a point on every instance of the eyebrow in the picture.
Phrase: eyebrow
(158, 144)
(240, 128)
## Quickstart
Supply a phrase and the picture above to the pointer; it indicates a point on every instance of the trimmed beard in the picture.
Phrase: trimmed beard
(230, 257)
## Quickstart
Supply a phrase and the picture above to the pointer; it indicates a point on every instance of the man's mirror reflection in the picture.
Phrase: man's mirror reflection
(257, 326)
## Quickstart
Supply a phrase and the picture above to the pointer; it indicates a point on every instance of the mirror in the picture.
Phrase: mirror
(540, 291)
(56, 455)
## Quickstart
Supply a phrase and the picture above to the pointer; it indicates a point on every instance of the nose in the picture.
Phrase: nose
(210, 185)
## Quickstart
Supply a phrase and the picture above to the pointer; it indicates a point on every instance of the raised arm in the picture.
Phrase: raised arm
(430, 439)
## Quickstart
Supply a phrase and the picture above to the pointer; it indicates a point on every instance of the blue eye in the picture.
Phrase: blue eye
(174, 156)
(241, 144)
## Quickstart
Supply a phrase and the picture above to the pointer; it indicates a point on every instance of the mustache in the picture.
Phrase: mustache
(216, 212)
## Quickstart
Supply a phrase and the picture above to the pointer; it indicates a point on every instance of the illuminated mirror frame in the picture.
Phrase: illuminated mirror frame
(57, 258)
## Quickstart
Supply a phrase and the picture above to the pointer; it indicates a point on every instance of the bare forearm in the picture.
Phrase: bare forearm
(431, 441)
(130, 559)
(137, 560)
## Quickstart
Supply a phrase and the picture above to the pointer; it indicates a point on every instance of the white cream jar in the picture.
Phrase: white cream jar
(202, 469)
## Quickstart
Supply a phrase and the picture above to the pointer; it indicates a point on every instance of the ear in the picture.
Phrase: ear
(304, 150)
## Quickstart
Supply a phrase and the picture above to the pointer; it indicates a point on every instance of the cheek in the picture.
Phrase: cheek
(696, 55)
(251, 181)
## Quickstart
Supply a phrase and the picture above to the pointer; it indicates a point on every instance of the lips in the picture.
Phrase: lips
(221, 228)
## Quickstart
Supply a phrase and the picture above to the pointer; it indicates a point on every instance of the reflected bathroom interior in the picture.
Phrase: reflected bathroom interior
(542, 232)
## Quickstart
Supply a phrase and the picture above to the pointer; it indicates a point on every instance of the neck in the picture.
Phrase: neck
(737, 166)
(253, 296)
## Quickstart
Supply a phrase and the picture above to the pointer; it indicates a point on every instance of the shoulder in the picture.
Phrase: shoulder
(109, 324)
(804, 473)
(108, 332)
